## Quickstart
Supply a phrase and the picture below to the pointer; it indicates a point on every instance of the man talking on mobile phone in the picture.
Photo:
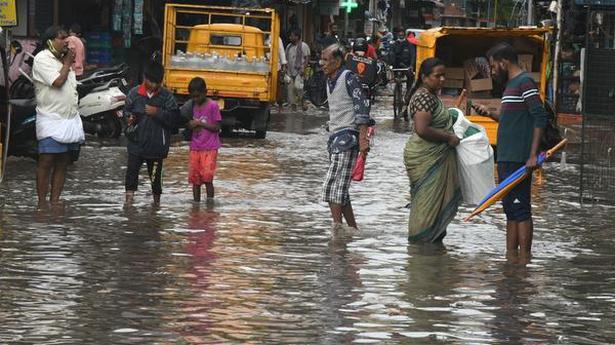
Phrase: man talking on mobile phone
(58, 125)
(522, 120)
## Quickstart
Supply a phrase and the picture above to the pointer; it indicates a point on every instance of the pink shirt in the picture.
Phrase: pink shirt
(75, 44)
(204, 139)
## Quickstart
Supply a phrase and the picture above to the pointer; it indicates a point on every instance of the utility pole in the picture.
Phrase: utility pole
(558, 46)
(345, 24)
(530, 12)
(488, 13)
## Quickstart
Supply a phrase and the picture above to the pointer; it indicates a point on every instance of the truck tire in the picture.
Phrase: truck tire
(260, 134)
(260, 123)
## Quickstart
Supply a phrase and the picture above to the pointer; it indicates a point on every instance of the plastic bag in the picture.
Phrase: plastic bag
(475, 165)
(298, 83)
(461, 123)
(358, 171)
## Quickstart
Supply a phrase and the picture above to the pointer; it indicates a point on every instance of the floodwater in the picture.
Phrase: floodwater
(260, 265)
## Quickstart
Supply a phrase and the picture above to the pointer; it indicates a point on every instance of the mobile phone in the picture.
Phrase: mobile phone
(478, 110)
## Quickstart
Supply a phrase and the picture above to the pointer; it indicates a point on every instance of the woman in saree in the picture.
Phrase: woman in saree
(430, 158)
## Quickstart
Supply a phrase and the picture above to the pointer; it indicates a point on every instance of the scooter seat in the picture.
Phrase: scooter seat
(104, 70)
(23, 110)
(84, 89)
(23, 103)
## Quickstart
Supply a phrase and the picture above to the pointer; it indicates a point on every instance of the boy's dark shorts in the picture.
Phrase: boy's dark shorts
(517, 204)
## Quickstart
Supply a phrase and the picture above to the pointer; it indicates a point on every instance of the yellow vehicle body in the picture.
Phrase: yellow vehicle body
(230, 83)
(476, 41)
(227, 32)
(2, 158)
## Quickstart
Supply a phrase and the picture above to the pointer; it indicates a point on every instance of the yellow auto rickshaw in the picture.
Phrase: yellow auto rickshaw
(457, 45)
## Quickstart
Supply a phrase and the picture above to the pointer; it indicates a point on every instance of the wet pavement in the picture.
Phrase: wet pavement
(260, 265)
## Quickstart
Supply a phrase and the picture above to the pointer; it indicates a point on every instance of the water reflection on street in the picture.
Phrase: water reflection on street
(259, 265)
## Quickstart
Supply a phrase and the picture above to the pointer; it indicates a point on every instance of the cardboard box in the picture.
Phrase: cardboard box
(475, 85)
(455, 73)
(453, 83)
(476, 68)
(525, 61)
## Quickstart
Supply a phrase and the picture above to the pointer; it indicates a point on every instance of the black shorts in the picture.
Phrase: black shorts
(517, 203)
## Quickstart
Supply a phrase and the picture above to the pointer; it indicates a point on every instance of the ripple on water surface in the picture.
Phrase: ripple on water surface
(259, 265)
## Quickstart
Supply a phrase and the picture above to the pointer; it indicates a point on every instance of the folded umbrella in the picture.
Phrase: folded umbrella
(501, 190)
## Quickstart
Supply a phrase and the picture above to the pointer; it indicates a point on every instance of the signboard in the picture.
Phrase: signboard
(8, 13)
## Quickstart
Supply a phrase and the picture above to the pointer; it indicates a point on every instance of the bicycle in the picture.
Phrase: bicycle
(315, 86)
(400, 77)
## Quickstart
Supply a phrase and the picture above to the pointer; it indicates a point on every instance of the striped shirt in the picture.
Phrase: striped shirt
(522, 111)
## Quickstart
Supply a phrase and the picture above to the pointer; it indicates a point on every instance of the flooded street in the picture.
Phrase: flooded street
(260, 266)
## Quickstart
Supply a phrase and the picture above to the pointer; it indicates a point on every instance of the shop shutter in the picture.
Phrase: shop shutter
(43, 15)
(600, 82)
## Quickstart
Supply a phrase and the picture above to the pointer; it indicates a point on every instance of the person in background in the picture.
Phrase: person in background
(349, 120)
(75, 30)
(522, 120)
(282, 66)
(298, 57)
(374, 44)
(153, 110)
(59, 129)
(204, 120)
(75, 43)
(370, 49)
(330, 37)
(431, 159)
(404, 52)
(363, 66)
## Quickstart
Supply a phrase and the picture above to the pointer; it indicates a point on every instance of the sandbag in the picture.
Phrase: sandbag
(475, 165)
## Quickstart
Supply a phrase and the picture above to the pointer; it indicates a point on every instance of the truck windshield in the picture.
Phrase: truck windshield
(225, 40)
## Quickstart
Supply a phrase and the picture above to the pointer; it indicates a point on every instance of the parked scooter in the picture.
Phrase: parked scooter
(22, 137)
(101, 104)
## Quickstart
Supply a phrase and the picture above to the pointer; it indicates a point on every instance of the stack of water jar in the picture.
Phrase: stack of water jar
(215, 61)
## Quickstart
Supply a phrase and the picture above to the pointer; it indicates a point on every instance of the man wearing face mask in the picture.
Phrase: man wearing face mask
(59, 129)
(522, 120)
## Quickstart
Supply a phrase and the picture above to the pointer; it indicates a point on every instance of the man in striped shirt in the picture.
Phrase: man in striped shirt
(522, 120)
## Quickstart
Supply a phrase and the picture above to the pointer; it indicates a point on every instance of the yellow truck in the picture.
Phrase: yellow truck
(235, 50)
